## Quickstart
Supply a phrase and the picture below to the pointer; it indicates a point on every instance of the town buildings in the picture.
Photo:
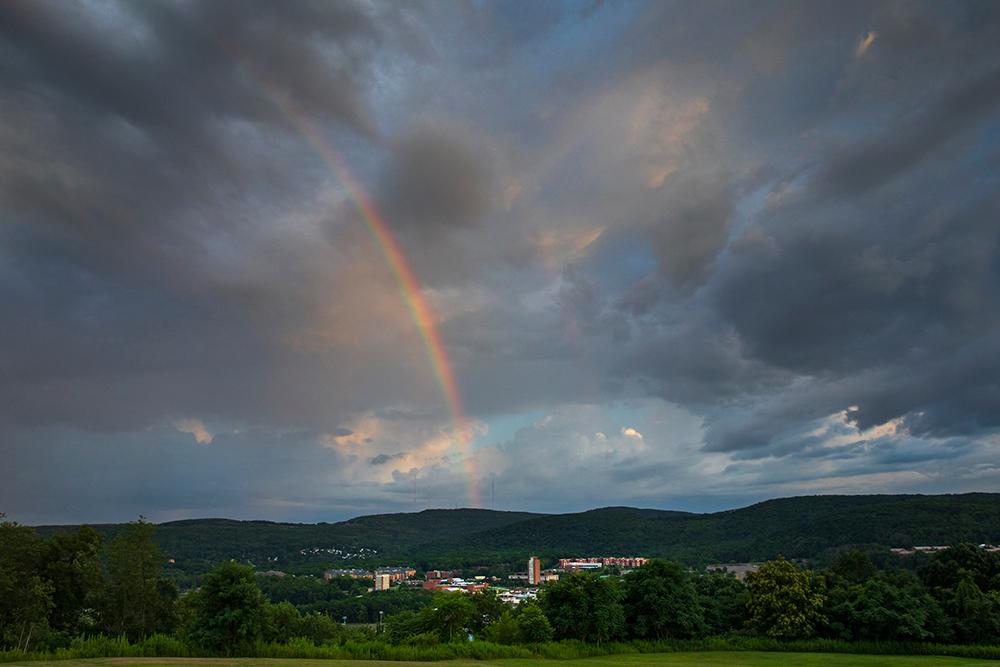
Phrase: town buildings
(534, 571)
(353, 573)
(596, 563)
(456, 584)
(516, 596)
(396, 573)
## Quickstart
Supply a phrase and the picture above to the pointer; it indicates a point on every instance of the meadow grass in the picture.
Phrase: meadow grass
(681, 659)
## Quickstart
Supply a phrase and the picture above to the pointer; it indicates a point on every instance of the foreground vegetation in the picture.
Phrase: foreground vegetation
(677, 659)
(725, 651)
(69, 597)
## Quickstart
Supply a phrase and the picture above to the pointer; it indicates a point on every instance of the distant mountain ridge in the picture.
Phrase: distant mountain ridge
(799, 527)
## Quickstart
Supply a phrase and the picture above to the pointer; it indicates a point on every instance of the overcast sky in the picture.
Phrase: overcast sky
(686, 255)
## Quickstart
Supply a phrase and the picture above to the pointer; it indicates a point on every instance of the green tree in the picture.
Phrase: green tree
(946, 569)
(400, 627)
(975, 615)
(25, 596)
(489, 608)
(134, 605)
(584, 606)
(319, 628)
(504, 630)
(853, 566)
(230, 610)
(723, 600)
(661, 602)
(884, 607)
(450, 615)
(282, 622)
(533, 626)
(784, 600)
(71, 563)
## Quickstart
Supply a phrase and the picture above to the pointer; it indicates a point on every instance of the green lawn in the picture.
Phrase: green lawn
(700, 659)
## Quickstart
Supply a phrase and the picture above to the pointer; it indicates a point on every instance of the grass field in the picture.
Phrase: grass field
(700, 659)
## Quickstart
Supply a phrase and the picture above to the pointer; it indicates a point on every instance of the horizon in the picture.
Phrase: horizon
(535, 513)
(308, 261)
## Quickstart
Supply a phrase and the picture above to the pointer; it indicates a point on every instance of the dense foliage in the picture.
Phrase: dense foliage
(584, 606)
(661, 603)
(783, 600)
(52, 590)
(341, 598)
(70, 592)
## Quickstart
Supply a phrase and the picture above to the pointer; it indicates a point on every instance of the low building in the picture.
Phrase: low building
(567, 565)
(598, 562)
(396, 573)
(455, 584)
(353, 573)
(741, 570)
(516, 596)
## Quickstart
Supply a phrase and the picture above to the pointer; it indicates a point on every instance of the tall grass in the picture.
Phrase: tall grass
(362, 649)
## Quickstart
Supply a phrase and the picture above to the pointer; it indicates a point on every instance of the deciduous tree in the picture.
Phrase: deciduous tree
(723, 600)
(784, 600)
(584, 606)
(532, 625)
(661, 602)
(450, 615)
(230, 609)
(133, 605)
(25, 596)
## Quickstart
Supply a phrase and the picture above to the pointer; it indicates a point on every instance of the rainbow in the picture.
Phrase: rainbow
(409, 286)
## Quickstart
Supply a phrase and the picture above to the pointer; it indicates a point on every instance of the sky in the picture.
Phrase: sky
(303, 261)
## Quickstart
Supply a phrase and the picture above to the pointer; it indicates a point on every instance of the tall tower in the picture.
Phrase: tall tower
(534, 571)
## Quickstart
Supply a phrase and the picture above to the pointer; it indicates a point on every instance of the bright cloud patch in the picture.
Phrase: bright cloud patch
(865, 43)
(196, 428)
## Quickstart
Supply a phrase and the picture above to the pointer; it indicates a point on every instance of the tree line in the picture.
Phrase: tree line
(56, 590)
(67, 585)
(954, 598)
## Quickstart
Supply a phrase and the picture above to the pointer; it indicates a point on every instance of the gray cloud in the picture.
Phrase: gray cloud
(869, 164)
(740, 222)
(436, 179)
(382, 459)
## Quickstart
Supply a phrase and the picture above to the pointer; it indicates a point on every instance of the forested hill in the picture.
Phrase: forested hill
(796, 527)
(198, 544)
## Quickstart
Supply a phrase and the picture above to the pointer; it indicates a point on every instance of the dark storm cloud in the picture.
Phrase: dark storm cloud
(435, 180)
(145, 154)
(890, 298)
(869, 164)
(164, 474)
(382, 459)
(694, 228)
(172, 66)
(850, 277)
(773, 223)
